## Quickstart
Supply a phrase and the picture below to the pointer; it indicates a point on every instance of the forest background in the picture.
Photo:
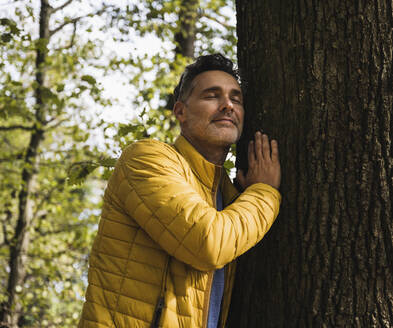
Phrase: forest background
(79, 80)
(318, 77)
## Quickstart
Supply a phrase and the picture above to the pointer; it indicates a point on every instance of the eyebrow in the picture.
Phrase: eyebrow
(217, 88)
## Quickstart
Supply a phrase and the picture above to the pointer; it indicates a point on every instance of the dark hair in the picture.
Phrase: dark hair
(202, 64)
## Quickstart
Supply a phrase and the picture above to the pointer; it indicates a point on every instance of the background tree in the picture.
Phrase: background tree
(53, 56)
(318, 77)
(46, 223)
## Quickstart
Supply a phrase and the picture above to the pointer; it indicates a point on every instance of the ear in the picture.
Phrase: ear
(179, 109)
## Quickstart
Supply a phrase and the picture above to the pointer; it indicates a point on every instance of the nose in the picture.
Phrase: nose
(226, 104)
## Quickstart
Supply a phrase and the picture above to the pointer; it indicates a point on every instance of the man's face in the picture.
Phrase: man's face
(213, 113)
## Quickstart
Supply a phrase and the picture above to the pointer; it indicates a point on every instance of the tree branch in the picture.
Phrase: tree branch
(65, 4)
(9, 3)
(5, 234)
(13, 157)
(61, 229)
(215, 19)
(57, 124)
(72, 37)
(10, 171)
(15, 127)
(57, 254)
(77, 19)
(8, 217)
(39, 212)
(61, 26)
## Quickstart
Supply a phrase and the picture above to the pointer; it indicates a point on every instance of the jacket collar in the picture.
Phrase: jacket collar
(208, 173)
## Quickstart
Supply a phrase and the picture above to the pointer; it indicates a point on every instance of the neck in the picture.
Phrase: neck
(213, 154)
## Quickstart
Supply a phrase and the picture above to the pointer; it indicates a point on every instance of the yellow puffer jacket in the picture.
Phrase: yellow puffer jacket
(160, 200)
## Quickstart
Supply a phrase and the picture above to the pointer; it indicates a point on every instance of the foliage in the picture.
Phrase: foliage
(65, 210)
(156, 74)
(214, 33)
(64, 216)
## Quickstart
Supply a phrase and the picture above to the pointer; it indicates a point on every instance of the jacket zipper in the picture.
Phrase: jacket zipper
(216, 182)
(207, 298)
(161, 298)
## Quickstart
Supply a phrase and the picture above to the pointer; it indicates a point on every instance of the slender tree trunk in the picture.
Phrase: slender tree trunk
(317, 75)
(185, 36)
(10, 311)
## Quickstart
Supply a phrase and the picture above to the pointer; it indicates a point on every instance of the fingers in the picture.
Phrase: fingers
(251, 153)
(265, 147)
(241, 178)
(264, 164)
(258, 146)
(275, 156)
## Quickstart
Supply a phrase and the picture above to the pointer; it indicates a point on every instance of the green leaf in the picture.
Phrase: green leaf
(228, 165)
(107, 173)
(89, 79)
(79, 171)
(151, 121)
(6, 37)
(126, 129)
(16, 83)
(41, 44)
(11, 25)
(107, 162)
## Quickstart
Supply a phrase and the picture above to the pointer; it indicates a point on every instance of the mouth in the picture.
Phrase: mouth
(225, 120)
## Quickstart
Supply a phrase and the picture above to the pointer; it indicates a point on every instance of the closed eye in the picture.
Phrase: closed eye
(236, 100)
(210, 96)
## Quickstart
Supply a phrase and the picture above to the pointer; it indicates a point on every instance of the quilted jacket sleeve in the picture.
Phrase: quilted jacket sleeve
(166, 206)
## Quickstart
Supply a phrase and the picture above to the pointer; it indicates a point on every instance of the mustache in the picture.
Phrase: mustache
(226, 117)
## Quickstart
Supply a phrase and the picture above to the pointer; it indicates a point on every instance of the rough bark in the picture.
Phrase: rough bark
(11, 310)
(317, 76)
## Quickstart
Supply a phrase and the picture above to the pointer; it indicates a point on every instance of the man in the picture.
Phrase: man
(172, 223)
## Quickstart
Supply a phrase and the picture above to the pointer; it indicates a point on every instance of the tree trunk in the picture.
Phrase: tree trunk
(11, 310)
(185, 37)
(317, 75)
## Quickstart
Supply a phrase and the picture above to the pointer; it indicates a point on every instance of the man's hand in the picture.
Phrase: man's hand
(263, 163)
